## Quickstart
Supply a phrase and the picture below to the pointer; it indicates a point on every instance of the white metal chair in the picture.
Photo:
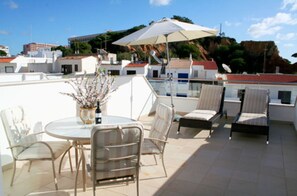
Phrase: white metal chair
(155, 143)
(115, 155)
(26, 146)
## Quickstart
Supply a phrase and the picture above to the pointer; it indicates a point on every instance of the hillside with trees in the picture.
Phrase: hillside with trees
(246, 56)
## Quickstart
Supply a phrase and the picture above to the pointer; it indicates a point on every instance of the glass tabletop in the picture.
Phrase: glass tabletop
(73, 128)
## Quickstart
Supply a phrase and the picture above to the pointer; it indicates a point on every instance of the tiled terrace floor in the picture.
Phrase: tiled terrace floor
(196, 165)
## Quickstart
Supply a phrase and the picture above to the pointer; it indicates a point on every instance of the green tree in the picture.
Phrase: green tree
(123, 56)
(183, 50)
(81, 48)
(237, 65)
(182, 19)
(294, 55)
(3, 53)
(65, 51)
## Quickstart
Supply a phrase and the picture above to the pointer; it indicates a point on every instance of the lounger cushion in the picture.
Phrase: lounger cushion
(200, 114)
(210, 97)
(253, 119)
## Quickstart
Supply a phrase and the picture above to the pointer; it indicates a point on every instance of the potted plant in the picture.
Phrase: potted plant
(88, 90)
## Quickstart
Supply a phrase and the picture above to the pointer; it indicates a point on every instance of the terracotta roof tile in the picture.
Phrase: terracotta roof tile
(6, 60)
(136, 65)
(212, 65)
(72, 57)
(283, 78)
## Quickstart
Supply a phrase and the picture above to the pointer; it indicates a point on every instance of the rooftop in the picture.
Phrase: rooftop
(136, 65)
(211, 65)
(263, 77)
(196, 165)
(6, 60)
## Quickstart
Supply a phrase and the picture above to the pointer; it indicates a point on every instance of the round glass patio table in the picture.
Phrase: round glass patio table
(73, 128)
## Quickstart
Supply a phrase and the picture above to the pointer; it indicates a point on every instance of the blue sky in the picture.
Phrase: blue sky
(54, 21)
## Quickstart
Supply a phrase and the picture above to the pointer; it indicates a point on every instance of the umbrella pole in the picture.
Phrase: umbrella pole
(167, 48)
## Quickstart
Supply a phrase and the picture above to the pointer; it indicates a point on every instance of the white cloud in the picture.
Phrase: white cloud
(12, 5)
(288, 36)
(271, 25)
(291, 4)
(3, 32)
(289, 45)
(229, 24)
(160, 2)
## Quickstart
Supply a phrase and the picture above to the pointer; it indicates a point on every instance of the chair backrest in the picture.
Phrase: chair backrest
(211, 98)
(115, 151)
(161, 124)
(255, 101)
(16, 128)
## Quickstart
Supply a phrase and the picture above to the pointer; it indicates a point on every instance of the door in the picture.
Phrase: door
(66, 69)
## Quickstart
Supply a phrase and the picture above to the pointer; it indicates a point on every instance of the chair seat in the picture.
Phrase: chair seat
(200, 114)
(41, 151)
(149, 147)
(252, 119)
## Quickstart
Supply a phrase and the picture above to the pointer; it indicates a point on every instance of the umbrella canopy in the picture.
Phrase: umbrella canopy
(164, 31)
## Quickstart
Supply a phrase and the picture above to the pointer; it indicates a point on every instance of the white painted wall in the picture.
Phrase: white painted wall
(89, 64)
(175, 72)
(3, 65)
(40, 67)
(133, 98)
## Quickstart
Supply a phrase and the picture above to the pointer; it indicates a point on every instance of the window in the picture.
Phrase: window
(131, 72)
(76, 67)
(195, 74)
(284, 96)
(155, 73)
(114, 72)
(9, 69)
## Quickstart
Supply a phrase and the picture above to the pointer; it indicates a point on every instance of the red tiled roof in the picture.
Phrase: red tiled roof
(136, 65)
(263, 77)
(6, 60)
(73, 57)
(207, 64)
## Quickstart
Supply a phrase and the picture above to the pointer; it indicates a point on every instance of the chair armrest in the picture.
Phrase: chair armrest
(25, 145)
(37, 133)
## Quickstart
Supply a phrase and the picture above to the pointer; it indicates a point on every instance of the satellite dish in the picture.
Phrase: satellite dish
(226, 68)
(153, 54)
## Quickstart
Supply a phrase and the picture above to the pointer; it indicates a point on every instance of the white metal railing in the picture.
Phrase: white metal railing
(182, 87)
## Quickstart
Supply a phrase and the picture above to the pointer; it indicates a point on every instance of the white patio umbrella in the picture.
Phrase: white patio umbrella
(164, 31)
